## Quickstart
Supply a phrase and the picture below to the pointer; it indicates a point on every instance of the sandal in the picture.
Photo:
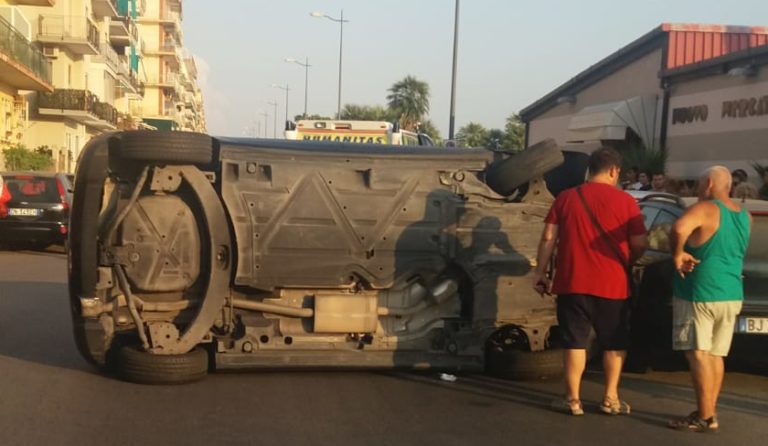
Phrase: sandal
(572, 407)
(615, 407)
(692, 423)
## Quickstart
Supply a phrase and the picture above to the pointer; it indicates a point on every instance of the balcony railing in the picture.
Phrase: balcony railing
(75, 31)
(115, 61)
(77, 100)
(13, 44)
(163, 80)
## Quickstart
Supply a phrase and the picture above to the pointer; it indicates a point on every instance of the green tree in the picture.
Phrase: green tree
(495, 139)
(19, 157)
(472, 135)
(514, 133)
(366, 113)
(409, 100)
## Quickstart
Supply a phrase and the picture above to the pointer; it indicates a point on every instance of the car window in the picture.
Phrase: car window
(756, 261)
(664, 218)
(649, 214)
(410, 139)
(32, 189)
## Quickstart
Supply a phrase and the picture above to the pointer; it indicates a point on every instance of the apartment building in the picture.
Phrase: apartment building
(103, 68)
(23, 67)
(171, 97)
(193, 116)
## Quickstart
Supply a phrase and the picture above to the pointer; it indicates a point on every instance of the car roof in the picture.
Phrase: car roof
(751, 205)
(642, 194)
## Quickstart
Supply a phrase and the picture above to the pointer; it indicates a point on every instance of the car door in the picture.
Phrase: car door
(756, 266)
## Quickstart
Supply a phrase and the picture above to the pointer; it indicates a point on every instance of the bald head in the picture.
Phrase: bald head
(715, 182)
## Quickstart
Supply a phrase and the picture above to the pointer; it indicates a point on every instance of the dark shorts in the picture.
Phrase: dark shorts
(578, 314)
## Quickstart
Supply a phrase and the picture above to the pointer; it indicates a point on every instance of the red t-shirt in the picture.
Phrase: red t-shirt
(585, 263)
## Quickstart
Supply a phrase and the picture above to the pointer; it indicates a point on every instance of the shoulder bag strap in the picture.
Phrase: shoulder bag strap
(614, 247)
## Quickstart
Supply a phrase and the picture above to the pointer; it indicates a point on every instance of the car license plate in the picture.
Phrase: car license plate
(23, 212)
(754, 325)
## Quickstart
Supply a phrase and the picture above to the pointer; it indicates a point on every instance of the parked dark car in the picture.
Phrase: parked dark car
(652, 315)
(37, 213)
(190, 252)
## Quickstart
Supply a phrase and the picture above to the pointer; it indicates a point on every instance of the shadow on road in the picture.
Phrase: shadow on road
(684, 393)
(35, 324)
(484, 386)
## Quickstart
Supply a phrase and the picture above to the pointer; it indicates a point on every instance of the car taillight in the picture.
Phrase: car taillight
(5, 196)
(62, 193)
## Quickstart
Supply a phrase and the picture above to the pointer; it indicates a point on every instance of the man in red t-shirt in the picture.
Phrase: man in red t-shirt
(598, 232)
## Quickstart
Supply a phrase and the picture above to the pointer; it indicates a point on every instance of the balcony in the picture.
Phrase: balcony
(79, 105)
(169, 50)
(163, 81)
(22, 64)
(123, 31)
(104, 8)
(109, 56)
(36, 2)
(78, 34)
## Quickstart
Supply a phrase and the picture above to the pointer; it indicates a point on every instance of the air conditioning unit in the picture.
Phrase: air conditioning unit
(51, 52)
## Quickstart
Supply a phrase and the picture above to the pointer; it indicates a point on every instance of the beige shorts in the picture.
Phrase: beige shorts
(705, 326)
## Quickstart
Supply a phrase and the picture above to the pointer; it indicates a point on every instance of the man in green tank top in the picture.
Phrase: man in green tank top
(710, 241)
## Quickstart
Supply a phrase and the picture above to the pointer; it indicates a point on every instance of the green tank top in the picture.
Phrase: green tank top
(718, 276)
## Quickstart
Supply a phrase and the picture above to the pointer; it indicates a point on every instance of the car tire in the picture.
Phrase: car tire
(165, 147)
(142, 367)
(506, 175)
(521, 365)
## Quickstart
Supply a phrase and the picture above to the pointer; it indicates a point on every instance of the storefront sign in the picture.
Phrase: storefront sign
(684, 115)
(742, 108)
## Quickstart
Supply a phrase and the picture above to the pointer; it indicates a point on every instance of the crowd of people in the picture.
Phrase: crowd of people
(742, 188)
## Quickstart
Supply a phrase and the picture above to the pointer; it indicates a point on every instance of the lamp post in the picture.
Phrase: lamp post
(306, 66)
(286, 90)
(274, 127)
(341, 23)
(452, 119)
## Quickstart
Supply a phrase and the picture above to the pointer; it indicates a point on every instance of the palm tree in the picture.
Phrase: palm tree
(409, 99)
(472, 135)
(514, 129)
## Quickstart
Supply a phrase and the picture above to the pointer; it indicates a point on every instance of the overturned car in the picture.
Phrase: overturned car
(190, 253)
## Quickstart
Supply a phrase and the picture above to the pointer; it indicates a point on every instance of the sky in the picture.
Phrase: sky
(511, 52)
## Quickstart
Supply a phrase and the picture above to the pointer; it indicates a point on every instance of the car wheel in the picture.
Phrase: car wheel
(505, 176)
(508, 356)
(165, 147)
(137, 366)
(523, 365)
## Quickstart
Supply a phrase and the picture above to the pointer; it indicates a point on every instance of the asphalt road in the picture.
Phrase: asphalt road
(50, 396)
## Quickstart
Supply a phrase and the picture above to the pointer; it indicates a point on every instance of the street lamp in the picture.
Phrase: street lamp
(341, 23)
(274, 127)
(306, 66)
(286, 90)
(452, 118)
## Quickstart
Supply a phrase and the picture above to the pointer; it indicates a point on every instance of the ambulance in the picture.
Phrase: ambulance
(356, 132)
